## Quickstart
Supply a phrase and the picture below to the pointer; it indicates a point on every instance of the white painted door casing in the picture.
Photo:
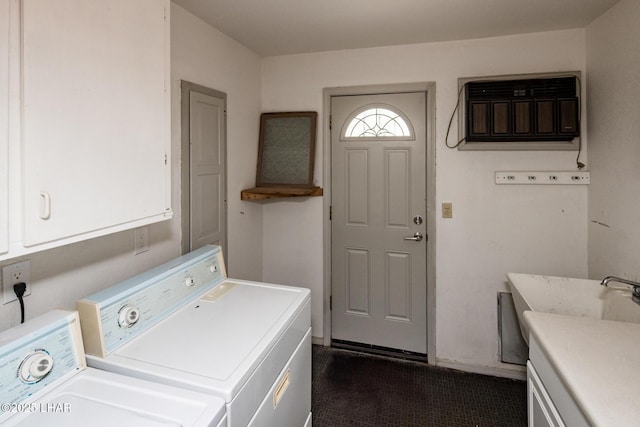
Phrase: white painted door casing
(378, 187)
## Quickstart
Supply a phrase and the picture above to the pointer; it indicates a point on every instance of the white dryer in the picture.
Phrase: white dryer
(44, 381)
(186, 324)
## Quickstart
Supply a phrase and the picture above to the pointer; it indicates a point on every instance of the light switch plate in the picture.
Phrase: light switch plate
(447, 210)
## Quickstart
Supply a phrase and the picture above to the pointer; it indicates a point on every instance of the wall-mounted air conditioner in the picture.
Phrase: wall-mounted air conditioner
(521, 113)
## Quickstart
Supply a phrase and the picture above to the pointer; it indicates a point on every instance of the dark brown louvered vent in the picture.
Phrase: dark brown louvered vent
(543, 109)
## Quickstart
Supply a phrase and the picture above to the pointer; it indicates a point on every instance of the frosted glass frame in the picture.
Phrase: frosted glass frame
(286, 152)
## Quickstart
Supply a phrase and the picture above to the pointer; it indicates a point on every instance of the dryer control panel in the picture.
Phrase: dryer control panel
(113, 316)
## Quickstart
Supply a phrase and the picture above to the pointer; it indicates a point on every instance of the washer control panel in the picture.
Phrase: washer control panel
(35, 366)
(148, 298)
(31, 360)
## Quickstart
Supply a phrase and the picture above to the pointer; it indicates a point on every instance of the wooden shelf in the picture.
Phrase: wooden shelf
(263, 193)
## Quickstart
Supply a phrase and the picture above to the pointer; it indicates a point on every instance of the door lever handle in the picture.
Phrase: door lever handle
(417, 237)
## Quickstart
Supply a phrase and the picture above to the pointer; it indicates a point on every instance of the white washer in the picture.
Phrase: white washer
(44, 380)
(186, 324)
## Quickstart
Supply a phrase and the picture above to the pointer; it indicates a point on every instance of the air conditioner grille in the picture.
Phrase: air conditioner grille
(557, 87)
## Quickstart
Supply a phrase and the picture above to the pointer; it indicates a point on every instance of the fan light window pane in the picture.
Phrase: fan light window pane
(377, 122)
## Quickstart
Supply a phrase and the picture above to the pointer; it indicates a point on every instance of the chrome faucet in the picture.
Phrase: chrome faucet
(635, 285)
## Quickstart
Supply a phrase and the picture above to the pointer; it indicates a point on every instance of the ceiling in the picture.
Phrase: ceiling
(282, 27)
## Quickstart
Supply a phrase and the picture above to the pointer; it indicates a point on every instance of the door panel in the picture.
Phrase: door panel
(356, 187)
(207, 170)
(397, 188)
(358, 283)
(398, 286)
(378, 187)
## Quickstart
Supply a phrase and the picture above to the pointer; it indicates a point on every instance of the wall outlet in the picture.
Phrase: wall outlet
(12, 274)
(141, 238)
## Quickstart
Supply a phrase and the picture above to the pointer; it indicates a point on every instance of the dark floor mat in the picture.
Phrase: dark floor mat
(356, 389)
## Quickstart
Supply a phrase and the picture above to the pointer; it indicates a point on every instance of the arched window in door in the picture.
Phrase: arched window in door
(377, 122)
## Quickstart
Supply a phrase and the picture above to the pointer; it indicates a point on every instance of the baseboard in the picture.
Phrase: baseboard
(515, 373)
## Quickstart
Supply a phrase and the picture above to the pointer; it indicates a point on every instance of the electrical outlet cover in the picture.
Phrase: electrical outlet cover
(141, 237)
(12, 274)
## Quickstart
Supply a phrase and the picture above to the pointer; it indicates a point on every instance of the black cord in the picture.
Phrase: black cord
(446, 138)
(579, 164)
(20, 289)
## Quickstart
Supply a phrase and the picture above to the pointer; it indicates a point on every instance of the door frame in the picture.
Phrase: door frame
(429, 88)
(185, 161)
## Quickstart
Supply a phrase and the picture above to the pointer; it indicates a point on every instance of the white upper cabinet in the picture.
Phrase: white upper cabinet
(94, 119)
(4, 126)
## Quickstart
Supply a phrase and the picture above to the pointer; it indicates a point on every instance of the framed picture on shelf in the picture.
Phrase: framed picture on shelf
(286, 151)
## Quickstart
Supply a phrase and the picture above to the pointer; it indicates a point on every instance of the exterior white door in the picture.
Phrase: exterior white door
(207, 170)
(378, 228)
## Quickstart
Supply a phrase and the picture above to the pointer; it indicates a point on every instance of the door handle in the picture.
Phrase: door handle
(417, 237)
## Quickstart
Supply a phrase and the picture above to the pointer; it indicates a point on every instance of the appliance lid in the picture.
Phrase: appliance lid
(225, 328)
(105, 399)
(44, 381)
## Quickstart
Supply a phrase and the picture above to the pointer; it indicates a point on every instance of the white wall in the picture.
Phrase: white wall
(201, 55)
(495, 229)
(613, 61)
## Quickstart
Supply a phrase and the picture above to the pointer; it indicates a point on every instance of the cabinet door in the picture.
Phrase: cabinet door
(95, 116)
(4, 126)
(541, 410)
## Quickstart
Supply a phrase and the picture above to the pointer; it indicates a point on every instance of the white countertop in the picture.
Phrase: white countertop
(597, 360)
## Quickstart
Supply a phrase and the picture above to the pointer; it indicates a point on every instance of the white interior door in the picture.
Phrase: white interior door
(378, 175)
(207, 170)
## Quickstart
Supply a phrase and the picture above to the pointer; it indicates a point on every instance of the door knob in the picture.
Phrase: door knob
(417, 237)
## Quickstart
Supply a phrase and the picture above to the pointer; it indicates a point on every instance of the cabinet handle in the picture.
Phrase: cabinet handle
(278, 393)
(45, 211)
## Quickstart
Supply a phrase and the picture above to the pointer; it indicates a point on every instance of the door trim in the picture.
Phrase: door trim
(185, 154)
(429, 88)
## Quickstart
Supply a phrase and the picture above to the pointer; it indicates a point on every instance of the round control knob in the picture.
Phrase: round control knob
(190, 281)
(35, 366)
(128, 316)
(213, 268)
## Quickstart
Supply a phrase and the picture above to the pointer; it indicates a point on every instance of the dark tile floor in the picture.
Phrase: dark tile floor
(356, 389)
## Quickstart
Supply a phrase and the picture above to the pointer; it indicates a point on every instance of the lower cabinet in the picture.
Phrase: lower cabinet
(549, 401)
(541, 410)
